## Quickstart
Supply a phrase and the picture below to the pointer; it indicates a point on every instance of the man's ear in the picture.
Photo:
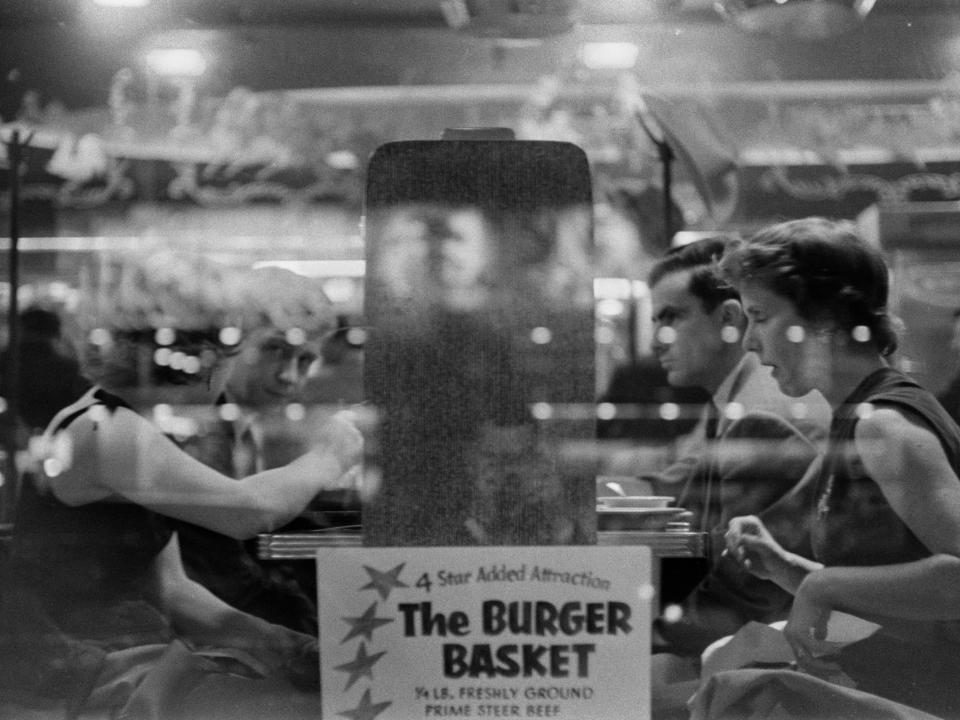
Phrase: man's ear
(730, 312)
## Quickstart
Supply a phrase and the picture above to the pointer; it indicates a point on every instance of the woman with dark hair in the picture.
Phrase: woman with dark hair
(885, 532)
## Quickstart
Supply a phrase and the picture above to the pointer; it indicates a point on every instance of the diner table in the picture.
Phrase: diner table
(669, 543)
(303, 545)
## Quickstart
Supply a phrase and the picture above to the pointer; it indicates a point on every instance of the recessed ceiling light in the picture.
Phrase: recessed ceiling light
(177, 62)
(122, 3)
(609, 55)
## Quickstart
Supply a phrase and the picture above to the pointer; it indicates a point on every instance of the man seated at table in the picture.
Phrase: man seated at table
(253, 386)
(755, 444)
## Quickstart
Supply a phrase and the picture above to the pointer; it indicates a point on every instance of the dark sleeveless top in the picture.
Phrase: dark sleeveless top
(93, 553)
(855, 525)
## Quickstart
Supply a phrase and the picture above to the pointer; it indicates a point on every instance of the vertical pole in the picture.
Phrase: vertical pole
(666, 156)
(9, 489)
(666, 165)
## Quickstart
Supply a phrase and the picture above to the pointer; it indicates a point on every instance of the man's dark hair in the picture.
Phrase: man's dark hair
(701, 258)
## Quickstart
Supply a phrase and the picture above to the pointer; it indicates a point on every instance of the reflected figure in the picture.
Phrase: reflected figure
(438, 256)
(461, 256)
(456, 369)
(97, 612)
(49, 375)
(261, 374)
(479, 304)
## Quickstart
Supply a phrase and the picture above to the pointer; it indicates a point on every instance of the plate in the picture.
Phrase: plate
(634, 501)
(635, 518)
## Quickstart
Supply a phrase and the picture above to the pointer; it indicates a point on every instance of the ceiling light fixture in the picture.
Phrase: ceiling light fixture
(176, 62)
(609, 55)
(805, 19)
(122, 3)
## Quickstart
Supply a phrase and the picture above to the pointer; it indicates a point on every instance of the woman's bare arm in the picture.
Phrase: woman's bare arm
(198, 615)
(121, 454)
(911, 468)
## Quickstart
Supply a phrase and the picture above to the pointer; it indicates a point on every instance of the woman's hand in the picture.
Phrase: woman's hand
(340, 437)
(806, 628)
(750, 543)
(289, 654)
(302, 663)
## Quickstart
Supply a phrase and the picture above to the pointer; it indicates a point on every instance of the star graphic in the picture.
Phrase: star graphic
(365, 624)
(366, 710)
(361, 665)
(384, 582)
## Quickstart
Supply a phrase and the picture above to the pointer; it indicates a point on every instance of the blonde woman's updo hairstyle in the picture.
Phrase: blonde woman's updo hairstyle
(826, 270)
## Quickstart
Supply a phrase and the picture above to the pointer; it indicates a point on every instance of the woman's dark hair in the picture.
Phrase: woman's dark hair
(825, 269)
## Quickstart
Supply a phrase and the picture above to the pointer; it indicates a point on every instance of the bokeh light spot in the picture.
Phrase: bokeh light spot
(669, 411)
(541, 336)
(666, 336)
(606, 411)
(730, 334)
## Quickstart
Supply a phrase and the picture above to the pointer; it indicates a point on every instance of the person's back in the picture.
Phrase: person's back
(47, 378)
(95, 584)
(262, 373)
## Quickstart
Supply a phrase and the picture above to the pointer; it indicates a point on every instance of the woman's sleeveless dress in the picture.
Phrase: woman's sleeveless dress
(854, 525)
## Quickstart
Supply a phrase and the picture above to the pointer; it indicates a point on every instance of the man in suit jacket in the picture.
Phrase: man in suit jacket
(263, 373)
(950, 396)
(757, 445)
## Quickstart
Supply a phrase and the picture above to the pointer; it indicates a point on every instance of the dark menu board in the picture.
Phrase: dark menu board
(480, 358)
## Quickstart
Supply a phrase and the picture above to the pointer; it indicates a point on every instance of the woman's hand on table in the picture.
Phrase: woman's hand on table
(302, 665)
(292, 655)
(806, 628)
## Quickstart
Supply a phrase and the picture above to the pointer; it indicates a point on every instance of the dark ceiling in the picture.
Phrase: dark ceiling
(69, 51)
(382, 13)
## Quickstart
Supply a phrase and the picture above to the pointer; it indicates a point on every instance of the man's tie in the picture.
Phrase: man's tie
(713, 421)
(710, 508)
(247, 453)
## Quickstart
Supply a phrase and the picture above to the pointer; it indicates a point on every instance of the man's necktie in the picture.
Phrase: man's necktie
(712, 425)
(247, 455)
